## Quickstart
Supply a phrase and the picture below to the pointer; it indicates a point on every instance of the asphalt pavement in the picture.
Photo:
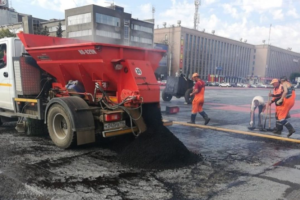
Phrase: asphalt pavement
(235, 166)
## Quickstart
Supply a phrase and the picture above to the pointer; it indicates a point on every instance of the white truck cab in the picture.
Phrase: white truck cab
(13, 48)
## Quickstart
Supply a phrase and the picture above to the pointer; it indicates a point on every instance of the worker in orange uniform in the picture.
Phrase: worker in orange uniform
(197, 105)
(284, 97)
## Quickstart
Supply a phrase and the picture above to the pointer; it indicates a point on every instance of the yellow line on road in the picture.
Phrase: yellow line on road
(238, 132)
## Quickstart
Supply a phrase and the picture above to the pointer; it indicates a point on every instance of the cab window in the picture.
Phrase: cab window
(3, 58)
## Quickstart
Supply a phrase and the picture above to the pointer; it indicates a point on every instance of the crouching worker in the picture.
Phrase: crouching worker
(257, 102)
(197, 105)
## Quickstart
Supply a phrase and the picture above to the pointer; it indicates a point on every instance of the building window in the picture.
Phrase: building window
(141, 28)
(80, 33)
(126, 32)
(108, 20)
(79, 19)
(146, 40)
(108, 34)
(54, 28)
(135, 39)
(141, 40)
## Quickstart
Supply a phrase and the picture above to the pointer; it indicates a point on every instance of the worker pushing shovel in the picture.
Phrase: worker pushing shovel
(257, 102)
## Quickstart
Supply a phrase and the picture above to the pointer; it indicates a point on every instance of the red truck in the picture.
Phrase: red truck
(78, 88)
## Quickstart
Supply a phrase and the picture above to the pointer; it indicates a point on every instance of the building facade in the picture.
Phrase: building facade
(108, 25)
(94, 23)
(162, 71)
(273, 62)
(7, 15)
(215, 58)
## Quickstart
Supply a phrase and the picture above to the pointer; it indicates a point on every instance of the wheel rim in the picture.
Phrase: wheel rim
(60, 127)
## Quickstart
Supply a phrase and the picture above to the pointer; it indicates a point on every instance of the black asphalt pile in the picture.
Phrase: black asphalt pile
(157, 148)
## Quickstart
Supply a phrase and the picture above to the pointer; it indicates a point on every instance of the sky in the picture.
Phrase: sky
(247, 19)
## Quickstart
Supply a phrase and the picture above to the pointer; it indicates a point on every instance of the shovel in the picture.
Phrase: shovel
(269, 115)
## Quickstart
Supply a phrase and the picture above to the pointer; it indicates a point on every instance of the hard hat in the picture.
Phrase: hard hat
(195, 75)
(275, 80)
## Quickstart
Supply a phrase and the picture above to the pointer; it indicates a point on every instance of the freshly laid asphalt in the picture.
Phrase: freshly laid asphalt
(235, 166)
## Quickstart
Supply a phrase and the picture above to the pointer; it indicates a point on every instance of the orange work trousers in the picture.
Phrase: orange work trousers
(287, 104)
(197, 105)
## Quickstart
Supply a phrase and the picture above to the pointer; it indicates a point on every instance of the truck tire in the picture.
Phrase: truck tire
(166, 97)
(189, 99)
(60, 127)
(36, 127)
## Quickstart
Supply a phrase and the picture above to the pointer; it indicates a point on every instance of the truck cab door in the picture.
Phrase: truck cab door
(6, 77)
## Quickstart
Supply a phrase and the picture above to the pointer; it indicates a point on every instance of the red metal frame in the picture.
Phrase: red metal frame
(90, 62)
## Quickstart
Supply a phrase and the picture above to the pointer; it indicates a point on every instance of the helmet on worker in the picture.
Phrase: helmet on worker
(275, 82)
(195, 76)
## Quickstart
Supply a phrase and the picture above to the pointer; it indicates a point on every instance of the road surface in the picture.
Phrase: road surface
(235, 166)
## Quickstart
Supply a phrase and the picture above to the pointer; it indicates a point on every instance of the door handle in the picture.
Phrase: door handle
(5, 74)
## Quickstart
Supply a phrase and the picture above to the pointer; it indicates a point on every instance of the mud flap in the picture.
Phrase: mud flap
(85, 136)
(135, 114)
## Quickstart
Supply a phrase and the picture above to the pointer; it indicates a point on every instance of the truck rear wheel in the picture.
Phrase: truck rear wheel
(189, 99)
(166, 97)
(60, 127)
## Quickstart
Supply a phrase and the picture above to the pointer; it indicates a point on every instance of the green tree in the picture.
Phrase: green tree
(40, 30)
(59, 30)
(294, 75)
(45, 31)
(6, 33)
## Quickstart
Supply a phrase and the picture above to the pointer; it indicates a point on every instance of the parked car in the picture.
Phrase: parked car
(210, 84)
(269, 86)
(253, 86)
(239, 85)
(262, 86)
(246, 85)
(213, 84)
(225, 85)
(233, 84)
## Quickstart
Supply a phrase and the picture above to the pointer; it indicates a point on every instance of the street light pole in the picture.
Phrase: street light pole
(270, 33)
